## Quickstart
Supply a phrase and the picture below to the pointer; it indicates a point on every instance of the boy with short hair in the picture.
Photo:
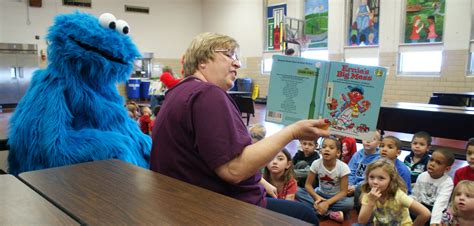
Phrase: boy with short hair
(390, 148)
(417, 160)
(433, 188)
(466, 172)
(303, 160)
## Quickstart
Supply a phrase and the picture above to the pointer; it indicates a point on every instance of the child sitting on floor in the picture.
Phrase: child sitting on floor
(257, 132)
(359, 162)
(279, 173)
(303, 160)
(349, 148)
(384, 196)
(466, 172)
(461, 208)
(145, 120)
(417, 160)
(390, 148)
(433, 187)
(329, 199)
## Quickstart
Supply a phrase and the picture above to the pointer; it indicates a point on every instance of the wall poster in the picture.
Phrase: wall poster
(316, 23)
(363, 22)
(424, 21)
(275, 15)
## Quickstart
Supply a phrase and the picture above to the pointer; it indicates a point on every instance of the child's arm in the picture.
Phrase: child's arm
(324, 205)
(309, 186)
(422, 213)
(269, 188)
(368, 204)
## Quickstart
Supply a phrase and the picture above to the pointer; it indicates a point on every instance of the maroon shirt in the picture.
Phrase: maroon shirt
(198, 129)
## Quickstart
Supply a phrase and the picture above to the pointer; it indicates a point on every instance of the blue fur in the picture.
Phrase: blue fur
(72, 111)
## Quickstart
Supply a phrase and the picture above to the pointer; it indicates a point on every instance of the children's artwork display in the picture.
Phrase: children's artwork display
(363, 22)
(275, 16)
(349, 95)
(316, 25)
(424, 21)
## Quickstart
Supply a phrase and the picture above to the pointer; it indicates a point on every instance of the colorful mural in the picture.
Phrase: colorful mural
(275, 15)
(424, 21)
(316, 23)
(364, 22)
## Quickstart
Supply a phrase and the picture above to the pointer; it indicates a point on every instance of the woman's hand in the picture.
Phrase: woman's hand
(310, 129)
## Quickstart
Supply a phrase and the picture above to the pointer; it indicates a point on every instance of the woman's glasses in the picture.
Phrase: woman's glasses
(226, 52)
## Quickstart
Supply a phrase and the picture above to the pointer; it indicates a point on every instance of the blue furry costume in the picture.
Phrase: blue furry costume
(72, 111)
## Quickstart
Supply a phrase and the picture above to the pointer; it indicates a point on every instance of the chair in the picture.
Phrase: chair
(245, 104)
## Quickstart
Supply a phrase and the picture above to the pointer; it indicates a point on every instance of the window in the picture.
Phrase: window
(471, 59)
(267, 65)
(426, 62)
(370, 61)
(420, 60)
(316, 54)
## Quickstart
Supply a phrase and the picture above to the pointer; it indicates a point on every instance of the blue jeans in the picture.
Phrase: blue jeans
(345, 204)
(293, 209)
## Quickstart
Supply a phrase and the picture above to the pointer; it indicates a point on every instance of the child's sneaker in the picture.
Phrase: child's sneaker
(336, 216)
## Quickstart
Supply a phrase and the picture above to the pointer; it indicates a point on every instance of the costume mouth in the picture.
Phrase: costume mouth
(97, 50)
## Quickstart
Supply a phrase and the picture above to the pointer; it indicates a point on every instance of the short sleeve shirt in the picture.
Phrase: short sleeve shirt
(330, 180)
(198, 129)
(393, 211)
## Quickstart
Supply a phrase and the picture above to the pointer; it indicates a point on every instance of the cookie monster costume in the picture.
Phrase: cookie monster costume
(72, 111)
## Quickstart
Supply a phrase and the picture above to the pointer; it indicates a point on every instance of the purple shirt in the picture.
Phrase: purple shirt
(198, 129)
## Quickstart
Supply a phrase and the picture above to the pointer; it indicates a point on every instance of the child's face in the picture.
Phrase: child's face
(279, 164)
(464, 200)
(371, 145)
(419, 146)
(437, 165)
(308, 147)
(388, 149)
(378, 178)
(329, 150)
(470, 156)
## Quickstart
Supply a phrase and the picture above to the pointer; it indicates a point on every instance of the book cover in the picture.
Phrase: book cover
(353, 97)
(292, 92)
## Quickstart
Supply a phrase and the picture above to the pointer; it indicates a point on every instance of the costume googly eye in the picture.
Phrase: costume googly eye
(122, 27)
(107, 20)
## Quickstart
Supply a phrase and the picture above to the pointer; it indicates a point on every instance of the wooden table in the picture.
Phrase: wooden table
(20, 205)
(118, 193)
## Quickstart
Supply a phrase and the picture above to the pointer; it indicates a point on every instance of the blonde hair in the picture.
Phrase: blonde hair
(467, 186)
(396, 182)
(257, 132)
(202, 48)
